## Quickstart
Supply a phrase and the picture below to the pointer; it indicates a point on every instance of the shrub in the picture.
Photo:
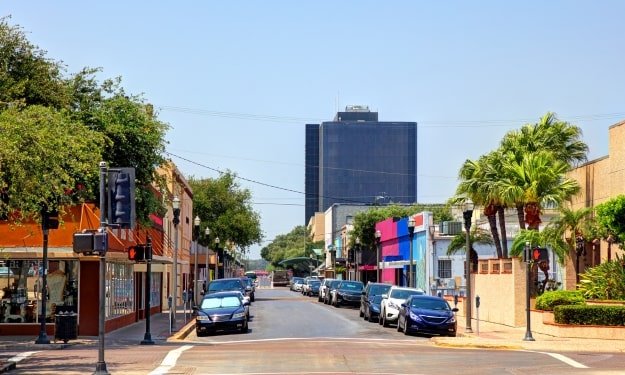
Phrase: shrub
(605, 281)
(550, 299)
(590, 315)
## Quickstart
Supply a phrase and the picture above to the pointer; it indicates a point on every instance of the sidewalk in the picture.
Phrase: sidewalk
(498, 336)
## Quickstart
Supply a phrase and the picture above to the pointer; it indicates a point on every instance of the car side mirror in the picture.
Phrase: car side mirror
(248, 288)
(384, 296)
(246, 303)
(455, 309)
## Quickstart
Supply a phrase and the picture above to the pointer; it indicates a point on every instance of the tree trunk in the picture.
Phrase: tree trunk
(492, 221)
(520, 215)
(502, 228)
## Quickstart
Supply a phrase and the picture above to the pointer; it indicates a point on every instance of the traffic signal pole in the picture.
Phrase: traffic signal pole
(147, 338)
(101, 365)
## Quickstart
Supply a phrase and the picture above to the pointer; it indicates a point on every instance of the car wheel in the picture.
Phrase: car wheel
(380, 317)
(452, 334)
(398, 325)
(360, 313)
(199, 333)
(406, 331)
(319, 299)
(370, 317)
(245, 327)
(252, 298)
(384, 321)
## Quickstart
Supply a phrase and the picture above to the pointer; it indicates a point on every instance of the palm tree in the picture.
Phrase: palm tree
(477, 235)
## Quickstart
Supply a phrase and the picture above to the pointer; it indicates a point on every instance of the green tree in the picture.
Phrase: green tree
(611, 217)
(45, 158)
(285, 246)
(476, 236)
(226, 209)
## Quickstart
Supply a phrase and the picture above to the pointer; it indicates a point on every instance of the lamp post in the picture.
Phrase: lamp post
(378, 237)
(217, 259)
(196, 232)
(147, 337)
(467, 214)
(528, 260)
(332, 251)
(207, 232)
(43, 337)
(175, 221)
(411, 265)
(356, 253)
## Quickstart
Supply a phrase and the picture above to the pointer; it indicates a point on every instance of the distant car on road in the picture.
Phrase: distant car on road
(222, 311)
(229, 284)
(427, 314)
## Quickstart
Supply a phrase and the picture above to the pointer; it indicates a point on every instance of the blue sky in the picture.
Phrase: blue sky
(238, 80)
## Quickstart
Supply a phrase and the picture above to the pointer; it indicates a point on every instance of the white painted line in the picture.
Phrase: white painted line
(565, 359)
(21, 356)
(170, 360)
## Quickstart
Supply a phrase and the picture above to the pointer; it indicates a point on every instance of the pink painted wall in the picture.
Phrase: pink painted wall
(388, 241)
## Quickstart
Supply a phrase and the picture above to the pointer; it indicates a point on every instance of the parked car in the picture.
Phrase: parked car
(227, 285)
(250, 288)
(222, 311)
(327, 296)
(347, 293)
(391, 303)
(427, 314)
(296, 283)
(324, 288)
(372, 309)
(371, 290)
(306, 284)
(313, 288)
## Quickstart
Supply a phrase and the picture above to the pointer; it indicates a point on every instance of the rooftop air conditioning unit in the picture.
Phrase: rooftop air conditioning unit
(450, 228)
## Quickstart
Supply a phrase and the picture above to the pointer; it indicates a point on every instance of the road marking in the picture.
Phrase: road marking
(565, 359)
(170, 360)
(21, 356)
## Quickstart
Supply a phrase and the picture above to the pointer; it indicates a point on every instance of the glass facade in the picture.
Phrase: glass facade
(20, 293)
(312, 171)
(120, 291)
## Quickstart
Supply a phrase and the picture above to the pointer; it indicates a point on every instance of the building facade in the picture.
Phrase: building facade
(358, 159)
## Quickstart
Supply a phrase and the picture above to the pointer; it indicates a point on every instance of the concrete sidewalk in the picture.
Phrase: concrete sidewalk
(498, 336)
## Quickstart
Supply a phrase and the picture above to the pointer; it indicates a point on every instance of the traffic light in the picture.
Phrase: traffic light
(49, 218)
(121, 187)
(540, 254)
(137, 253)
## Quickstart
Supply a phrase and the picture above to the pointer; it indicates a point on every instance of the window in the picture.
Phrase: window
(444, 268)
(119, 289)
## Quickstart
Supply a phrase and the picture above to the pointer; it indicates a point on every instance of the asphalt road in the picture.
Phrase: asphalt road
(293, 334)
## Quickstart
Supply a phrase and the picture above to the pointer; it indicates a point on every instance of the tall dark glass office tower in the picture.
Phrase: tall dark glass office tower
(358, 159)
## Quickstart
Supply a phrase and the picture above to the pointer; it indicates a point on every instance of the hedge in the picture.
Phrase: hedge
(590, 315)
(548, 300)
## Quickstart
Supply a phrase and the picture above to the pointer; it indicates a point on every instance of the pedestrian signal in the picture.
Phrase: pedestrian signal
(136, 253)
(540, 254)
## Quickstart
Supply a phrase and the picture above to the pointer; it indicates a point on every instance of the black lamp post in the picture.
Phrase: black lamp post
(528, 260)
(196, 234)
(175, 221)
(147, 337)
(332, 251)
(467, 214)
(356, 254)
(217, 263)
(207, 232)
(579, 251)
(411, 265)
(43, 337)
(378, 237)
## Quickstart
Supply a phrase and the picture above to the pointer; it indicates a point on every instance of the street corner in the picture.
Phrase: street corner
(471, 342)
(182, 333)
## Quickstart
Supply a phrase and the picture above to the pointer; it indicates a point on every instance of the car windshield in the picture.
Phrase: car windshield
(216, 286)
(334, 284)
(404, 293)
(220, 302)
(379, 289)
(429, 304)
(377, 299)
(351, 285)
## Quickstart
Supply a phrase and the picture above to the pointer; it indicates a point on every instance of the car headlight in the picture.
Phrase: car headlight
(238, 315)
(452, 319)
(415, 317)
(202, 318)
(393, 305)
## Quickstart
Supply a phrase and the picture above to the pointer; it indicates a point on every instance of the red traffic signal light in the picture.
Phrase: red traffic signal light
(136, 253)
(540, 254)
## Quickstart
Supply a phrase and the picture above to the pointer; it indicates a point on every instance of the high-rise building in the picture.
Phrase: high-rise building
(358, 159)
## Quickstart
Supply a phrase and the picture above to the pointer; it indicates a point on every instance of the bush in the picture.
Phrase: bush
(590, 315)
(605, 281)
(548, 300)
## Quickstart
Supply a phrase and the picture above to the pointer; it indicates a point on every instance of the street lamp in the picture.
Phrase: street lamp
(467, 214)
(528, 259)
(196, 233)
(378, 237)
(217, 259)
(332, 251)
(356, 253)
(207, 232)
(176, 220)
(411, 233)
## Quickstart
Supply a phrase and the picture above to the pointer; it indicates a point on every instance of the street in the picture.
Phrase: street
(293, 334)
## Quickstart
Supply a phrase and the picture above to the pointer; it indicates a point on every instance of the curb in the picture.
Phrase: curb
(7, 366)
(183, 332)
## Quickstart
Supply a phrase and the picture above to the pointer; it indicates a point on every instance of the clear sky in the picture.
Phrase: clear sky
(238, 80)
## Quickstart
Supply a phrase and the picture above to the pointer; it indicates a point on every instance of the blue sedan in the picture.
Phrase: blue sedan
(427, 315)
(222, 311)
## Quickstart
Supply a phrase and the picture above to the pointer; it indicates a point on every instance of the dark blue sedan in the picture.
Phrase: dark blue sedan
(372, 308)
(222, 311)
(427, 315)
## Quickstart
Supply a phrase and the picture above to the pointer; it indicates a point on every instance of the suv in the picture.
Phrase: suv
(371, 290)
(324, 288)
(229, 284)
(346, 293)
(391, 303)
